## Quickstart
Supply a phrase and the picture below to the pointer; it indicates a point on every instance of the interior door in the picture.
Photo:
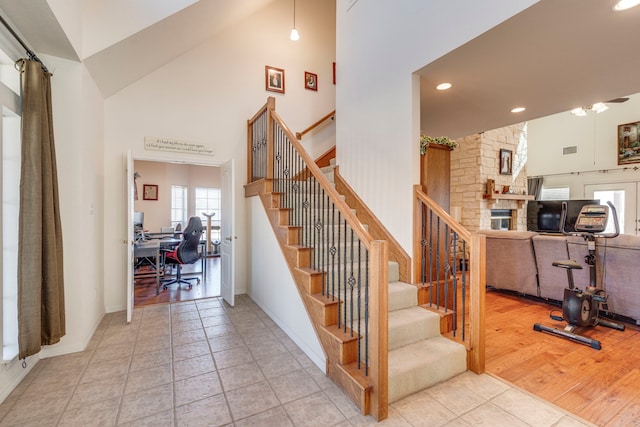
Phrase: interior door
(130, 192)
(623, 195)
(227, 246)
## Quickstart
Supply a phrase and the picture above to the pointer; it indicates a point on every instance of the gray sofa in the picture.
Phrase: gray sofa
(520, 261)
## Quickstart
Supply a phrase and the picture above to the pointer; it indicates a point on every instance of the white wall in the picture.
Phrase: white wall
(379, 45)
(157, 213)
(273, 288)
(206, 96)
(595, 137)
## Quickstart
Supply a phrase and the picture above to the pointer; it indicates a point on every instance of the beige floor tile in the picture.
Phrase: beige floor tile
(102, 413)
(215, 320)
(240, 376)
(491, 416)
(212, 411)
(342, 402)
(115, 351)
(222, 329)
(527, 408)
(52, 380)
(186, 325)
(247, 401)
(276, 417)
(212, 311)
(180, 338)
(148, 344)
(162, 419)
(314, 410)
(421, 410)
(293, 386)
(266, 348)
(187, 351)
(106, 369)
(458, 400)
(184, 316)
(232, 357)
(226, 342)
(146, 403)
(87, 393)
(46, 405)
(191, 367)
(278, 365)
(150, 359)
(148, 378)
(196, 388)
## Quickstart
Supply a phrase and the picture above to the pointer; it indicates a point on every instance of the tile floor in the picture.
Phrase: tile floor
(202, 363)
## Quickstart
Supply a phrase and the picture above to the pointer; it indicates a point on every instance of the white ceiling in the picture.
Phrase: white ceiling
(552, 57)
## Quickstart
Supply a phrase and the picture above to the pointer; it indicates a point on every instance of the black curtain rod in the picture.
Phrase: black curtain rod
(32, 56)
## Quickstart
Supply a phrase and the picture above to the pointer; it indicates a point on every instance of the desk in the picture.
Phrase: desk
(151, 248)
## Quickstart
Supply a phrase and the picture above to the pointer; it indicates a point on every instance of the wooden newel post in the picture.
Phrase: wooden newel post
(209, 216)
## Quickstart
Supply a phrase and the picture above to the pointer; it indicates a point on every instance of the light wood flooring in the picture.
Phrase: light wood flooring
(145, 287)
(599, 386)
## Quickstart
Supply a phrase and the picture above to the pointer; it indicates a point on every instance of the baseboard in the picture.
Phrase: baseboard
(12, 373)
(115, 308)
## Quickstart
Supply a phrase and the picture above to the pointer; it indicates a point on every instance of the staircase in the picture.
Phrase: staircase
(380, 344)
(419, 356)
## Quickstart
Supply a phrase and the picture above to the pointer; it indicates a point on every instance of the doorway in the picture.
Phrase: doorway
(166, 195)
(624, 196)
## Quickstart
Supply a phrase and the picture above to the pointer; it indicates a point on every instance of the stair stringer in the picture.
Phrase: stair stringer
(340, 348)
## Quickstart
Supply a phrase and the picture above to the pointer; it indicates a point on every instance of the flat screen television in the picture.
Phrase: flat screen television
(543, 216)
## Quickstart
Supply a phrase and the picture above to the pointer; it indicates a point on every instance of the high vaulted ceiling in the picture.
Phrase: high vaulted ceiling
(552, 57)
(125, 40)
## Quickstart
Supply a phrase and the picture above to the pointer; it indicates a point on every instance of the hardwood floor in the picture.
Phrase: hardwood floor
(145, 287)
(599, 386)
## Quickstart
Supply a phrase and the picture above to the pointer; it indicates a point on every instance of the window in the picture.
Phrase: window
(178, 205)
(10, 214)
(558, 193)
(617, 198)
(208, 201)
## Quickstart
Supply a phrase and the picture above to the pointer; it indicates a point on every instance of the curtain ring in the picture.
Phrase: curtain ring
(19, 65)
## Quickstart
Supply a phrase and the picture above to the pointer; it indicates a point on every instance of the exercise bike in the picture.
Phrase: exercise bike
(581, 308)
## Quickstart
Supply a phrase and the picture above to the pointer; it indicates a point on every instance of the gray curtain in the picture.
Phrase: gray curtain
(534, 186)
(41, 316)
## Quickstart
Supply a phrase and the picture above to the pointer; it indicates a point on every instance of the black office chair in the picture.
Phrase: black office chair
(185, 253)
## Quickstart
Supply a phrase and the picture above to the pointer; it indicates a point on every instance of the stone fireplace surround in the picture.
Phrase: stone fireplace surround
(474, 162)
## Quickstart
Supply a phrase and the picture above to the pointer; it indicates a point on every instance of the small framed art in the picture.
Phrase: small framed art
(274, 79)
(310, 81)
(149, 192)
(505, 162)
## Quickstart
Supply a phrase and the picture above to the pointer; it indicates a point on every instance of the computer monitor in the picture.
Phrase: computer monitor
(138, 220)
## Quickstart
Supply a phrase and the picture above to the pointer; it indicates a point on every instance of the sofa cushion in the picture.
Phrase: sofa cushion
(551, 280)
(621, 259)
(510, 261)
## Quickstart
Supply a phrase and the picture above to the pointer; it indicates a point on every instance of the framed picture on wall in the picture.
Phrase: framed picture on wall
(274, 79)
(628, 143)
(310, 81)
(149, 192)
(505, 162)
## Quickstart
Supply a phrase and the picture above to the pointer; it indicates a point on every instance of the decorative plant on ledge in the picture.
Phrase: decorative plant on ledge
(439, 140)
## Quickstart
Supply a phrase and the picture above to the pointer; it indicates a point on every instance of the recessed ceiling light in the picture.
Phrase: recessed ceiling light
(625, 4)
(445, 86)
(518, 110)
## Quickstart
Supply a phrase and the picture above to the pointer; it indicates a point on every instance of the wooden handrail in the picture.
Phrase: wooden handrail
(475, 344)
(331, 116)
(437, 209)
(342, 206)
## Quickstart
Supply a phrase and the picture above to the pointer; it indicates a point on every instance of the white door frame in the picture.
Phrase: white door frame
(228, 236)
(177, 159)
(629, 215)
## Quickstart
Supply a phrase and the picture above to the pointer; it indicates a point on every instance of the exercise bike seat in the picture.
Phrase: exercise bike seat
(569, 264)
